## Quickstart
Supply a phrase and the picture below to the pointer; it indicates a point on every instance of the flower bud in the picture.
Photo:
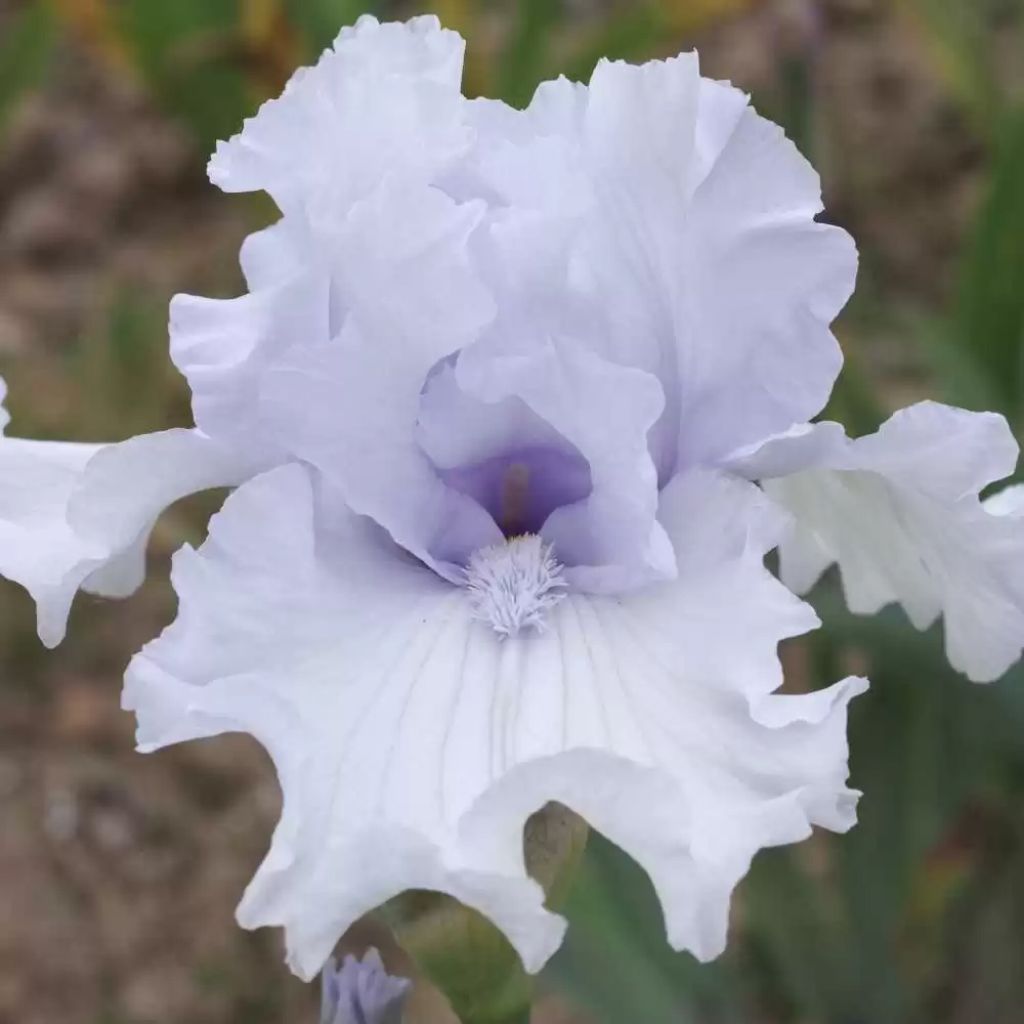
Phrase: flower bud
(362, 992)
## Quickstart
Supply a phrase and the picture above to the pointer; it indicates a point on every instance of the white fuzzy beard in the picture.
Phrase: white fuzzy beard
(515, 584)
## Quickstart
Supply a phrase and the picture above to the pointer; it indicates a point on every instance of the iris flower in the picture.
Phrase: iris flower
(514, 408)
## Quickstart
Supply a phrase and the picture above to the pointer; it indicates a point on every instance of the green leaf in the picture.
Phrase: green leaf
(320, 21)
(989, 316)
(925, 746)
(789, 917)
(191, 55)
(463, 953)
(960, 377)
(853, 401)
(524, 63)
(124, 381)
(25, 53)
(633, 35)
(616, 961)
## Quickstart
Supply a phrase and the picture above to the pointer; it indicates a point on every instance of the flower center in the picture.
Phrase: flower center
(521, 488)
(514, 584)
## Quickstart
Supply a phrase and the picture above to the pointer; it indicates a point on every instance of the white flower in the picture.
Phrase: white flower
(900, 513)
(496, 400)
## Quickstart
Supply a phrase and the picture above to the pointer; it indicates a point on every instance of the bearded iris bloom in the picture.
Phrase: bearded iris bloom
(515, 407)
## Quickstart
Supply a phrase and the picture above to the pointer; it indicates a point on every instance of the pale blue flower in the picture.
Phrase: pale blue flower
(496, 406)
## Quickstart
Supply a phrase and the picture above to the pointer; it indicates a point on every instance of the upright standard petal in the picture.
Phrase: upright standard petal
(899, 511)
(652, 716)
(723, 288)
(78, 515)
(384, 97)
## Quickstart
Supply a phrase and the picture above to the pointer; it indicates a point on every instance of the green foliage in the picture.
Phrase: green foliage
(962, 37)
(631, 35)
(206, 67)
(988, 322)
(25, 53)
(616, 961)
(189, 53)
(853, 401)
(525, 60)
(465, 956)
(463, 953)
(320, 20)
(956, 32)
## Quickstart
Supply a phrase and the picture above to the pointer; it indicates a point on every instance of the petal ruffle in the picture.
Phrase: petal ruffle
(226, 347)
(78, 516)
(412, 743)
(899, 511)
(411, 299)
(722, 290)
(385, 97)
(611, 539)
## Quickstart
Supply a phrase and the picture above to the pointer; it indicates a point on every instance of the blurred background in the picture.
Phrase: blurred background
(120, 873)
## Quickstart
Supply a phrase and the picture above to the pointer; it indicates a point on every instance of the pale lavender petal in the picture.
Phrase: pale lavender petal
(350, 406)
(514, 464)
(413, 743)
(611, 539)
(226, 347)
(723, 290)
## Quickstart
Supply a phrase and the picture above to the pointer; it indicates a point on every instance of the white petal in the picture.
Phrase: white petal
(78, 515)
(899, 511)
(38, 549)
(412, 743)
(385, 97)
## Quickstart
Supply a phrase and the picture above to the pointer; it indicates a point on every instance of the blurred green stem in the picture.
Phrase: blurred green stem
(465, 955)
